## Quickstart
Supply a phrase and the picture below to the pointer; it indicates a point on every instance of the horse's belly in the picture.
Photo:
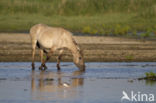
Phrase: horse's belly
(45, 44)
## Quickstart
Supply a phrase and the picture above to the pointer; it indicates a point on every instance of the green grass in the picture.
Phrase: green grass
(150, 78)
(117, 17)
(150, 74)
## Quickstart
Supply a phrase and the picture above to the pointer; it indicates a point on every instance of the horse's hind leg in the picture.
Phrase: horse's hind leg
(59, 58)
(33, 53)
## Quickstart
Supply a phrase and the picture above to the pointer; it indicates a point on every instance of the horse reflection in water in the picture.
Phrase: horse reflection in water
(55, 86)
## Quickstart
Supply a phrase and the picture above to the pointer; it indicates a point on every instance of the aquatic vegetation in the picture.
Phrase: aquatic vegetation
(150, 82)
(151, 76)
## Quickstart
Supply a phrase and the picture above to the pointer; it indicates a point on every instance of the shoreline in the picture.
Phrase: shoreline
(16, 47)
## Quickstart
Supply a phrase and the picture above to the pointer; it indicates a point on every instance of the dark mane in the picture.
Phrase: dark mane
(78, 48)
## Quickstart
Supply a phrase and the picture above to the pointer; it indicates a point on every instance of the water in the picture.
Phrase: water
(100, 83)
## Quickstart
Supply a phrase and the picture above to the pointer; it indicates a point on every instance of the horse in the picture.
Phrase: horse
(49, 39)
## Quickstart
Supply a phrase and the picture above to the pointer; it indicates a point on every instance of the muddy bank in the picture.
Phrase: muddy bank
(17, 47)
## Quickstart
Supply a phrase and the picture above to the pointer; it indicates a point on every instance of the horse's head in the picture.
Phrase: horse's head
(79, 61)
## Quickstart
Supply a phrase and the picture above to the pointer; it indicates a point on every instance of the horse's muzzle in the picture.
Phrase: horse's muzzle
(81, 67)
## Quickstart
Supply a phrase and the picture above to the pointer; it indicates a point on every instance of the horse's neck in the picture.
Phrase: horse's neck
(74, 51)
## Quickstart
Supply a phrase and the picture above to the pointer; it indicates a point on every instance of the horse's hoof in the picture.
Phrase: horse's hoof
(45, 67)
(40, 68)
(33, 66)
(58, 67)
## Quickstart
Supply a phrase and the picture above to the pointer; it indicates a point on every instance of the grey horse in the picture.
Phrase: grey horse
(49, 39)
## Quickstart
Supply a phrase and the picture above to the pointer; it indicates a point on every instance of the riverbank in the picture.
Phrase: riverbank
(17, 47)
(85, 16)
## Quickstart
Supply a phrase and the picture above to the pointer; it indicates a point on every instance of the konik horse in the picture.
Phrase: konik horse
(49, 39)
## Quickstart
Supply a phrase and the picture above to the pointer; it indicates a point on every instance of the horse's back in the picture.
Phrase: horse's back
(55, 36)
(36, 28)
(48, 30)
(48, 36)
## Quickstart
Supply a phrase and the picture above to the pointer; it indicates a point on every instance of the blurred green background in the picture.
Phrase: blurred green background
(101, 17)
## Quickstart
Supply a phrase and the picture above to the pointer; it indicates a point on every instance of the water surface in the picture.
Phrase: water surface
(100, 83)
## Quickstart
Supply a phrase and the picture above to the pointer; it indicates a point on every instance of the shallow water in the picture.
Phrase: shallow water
(100, 83)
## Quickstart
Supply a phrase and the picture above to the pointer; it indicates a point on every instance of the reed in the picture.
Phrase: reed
(102, 17)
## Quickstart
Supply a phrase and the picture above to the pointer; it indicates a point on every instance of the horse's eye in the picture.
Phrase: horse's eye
(79, 57)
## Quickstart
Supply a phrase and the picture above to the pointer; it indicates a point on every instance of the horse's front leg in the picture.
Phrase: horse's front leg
(42, 61)
(33, 53)
(58, 59)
